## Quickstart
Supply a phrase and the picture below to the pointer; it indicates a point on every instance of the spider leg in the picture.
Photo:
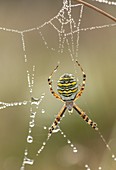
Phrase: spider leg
(50, 84)
(57, 120)
(83, 84)
(85, 117)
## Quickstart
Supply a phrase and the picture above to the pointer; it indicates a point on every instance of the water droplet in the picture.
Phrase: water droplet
(56, 129)
(68, 141)
(40, 150)
(32, 114)
(113, 156)
(30, 130)
(74, 149)
(43, 95)
(62, 133)
(25, 102)
(26, 152)
(30, 90)
(44, 143)
(28, 161)
(43, 111)
(87, 167)
(12, 104)
(20, 103)
(107, 146)
(32, 124)
(29, 139)
(15, 104)
(72, 145)
(45, 127)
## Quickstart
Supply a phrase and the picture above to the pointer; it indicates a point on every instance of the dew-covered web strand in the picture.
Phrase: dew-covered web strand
(74, 148)
(71, 27)
(78, 31)
(30, 79)
(75, 55)
(4, 105)
(107, 145)
(24, 47)
(33, 111)
(106, 2)
(58, 129)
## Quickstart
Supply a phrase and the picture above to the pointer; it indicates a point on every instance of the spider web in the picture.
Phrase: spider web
(67, 34)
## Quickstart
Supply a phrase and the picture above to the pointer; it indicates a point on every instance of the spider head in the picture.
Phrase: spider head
(67, 87)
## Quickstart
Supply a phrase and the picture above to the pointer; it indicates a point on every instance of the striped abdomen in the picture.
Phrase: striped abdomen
(67, 87)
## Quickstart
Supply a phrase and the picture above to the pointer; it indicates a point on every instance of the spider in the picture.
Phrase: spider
(68, 93)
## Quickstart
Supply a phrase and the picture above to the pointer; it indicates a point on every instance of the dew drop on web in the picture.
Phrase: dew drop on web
(43, 111)
(57, 129)
(74, 149)
(29, 139)
(31, 123)
(87, 167)
(45, 127)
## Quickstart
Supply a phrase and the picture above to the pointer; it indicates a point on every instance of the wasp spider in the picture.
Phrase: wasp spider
(68, 93)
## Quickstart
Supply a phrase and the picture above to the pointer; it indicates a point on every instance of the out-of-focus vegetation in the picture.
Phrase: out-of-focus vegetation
(97, 55)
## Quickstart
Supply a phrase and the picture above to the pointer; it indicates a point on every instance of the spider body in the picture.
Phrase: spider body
(68, 93)
(67, 87)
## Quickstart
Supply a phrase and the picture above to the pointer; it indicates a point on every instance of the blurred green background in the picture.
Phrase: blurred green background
(97, 55)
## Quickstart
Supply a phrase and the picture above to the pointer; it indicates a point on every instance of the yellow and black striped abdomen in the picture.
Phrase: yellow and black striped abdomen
(67, 87)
